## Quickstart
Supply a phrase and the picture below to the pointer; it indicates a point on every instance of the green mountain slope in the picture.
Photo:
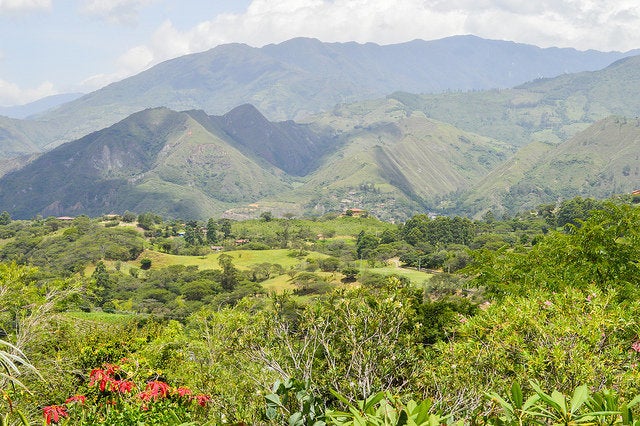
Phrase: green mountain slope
(156, 160)
(394, 164)
(393, 156)
(550, 110)
(193, 165)
(597, 162)
(294, 148)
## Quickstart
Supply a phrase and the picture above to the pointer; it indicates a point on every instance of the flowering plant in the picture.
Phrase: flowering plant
(116, 396)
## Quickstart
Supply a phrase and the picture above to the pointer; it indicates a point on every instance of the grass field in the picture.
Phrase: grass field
(244, 259)
(416, 277)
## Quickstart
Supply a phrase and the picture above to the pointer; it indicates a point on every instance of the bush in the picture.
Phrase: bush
(256, 246)
(145, 264)
(124, 395)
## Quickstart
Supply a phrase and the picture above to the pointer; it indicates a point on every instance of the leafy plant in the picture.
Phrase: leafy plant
(515, 410)
(293, 401)
(383, 408)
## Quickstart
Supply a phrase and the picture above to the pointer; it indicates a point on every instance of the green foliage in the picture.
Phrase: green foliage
(230, 275)
(562, 340)
(350, 273)
(212, 231)
(145, 263)
(601, 408)
(12, 364)
(352, 341)
(5, 218)
(148, 220)
(441, 230)
(78, 245)
(365, 245)
(309, 283)
(292, 402)
(385, 409)
(603, 250)
(193, 234)
(128, 217)
(575, 210)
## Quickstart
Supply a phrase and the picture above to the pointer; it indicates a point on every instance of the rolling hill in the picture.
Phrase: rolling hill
(393, 163)
(550, 110)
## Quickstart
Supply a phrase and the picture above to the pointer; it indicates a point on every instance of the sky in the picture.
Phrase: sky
(60, 46)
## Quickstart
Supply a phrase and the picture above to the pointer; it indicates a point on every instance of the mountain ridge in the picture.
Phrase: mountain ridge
(301, 77)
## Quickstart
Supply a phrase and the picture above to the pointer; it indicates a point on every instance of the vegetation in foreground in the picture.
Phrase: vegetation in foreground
(527, 320)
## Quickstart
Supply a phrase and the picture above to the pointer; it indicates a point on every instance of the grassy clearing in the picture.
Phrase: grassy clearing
(416, 277)
(345, 226)
(242, 259)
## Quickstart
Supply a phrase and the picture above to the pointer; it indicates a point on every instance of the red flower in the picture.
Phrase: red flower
(154, 391)
(122, 386)
(202, 399)
(76, 398)
(157, 389)
(636, 346)
(183, 391)
(53, 413)
(102, 377)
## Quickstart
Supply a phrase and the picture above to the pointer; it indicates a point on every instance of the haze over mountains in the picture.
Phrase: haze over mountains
(398, 153)
(297, 78)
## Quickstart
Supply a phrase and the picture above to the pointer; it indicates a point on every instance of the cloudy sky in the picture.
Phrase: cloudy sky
(60, 46)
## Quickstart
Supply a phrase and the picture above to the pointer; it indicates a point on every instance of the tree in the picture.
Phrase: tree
(192, 234)
(212, 231)
(225, 227)
(101, 278)
(5, 218)
(350, 273)
(128, 217)
(229, 278)
(603, 251)
(266, 216)
(147, 220)
(366, 244)
(576, 209)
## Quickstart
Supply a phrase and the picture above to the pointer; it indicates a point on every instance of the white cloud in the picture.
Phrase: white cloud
(586, 24)
(11, 94)
(23, 6)
(597, 24)
(115, 11)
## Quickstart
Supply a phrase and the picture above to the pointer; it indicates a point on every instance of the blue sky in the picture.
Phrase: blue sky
(59, 46)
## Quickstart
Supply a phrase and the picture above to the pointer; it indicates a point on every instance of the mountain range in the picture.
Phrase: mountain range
(398, 153)
(301, 77)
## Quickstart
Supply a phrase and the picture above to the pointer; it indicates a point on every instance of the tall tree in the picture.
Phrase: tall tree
(212, 231)
(229, 279)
